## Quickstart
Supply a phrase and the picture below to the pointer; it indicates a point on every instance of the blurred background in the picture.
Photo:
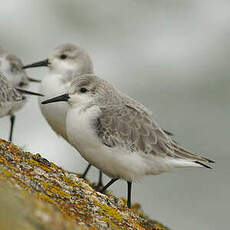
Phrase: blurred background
(173, 56)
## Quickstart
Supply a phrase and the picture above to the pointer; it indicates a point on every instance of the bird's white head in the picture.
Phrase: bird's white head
(67, 58)
(11, 67)
(86, 89)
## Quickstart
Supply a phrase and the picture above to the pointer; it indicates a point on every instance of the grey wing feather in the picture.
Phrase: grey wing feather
(7, 93)
(135, 130)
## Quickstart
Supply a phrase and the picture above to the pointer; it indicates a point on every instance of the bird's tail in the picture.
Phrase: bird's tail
(196, 160)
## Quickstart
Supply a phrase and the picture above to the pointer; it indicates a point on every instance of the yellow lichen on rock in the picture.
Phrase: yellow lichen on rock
(51, 198)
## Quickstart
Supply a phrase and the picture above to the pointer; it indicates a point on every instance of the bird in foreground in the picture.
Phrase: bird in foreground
(11, 98)
(11, 68)
(64, 60)
(67, 62)
(118, 136)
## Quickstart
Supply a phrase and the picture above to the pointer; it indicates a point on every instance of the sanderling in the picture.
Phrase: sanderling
(63, 61)
(11, 68)
(117, 137)
(11, 98)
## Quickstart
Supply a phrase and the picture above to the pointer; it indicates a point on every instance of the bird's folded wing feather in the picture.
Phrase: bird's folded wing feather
(135, 130)
(7, 93)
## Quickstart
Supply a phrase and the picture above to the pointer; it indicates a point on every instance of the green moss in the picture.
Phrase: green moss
(111, 224)
(37, 164)
(44, 197)
(7, 173)
(110, 211)
(55, 189)
(68, 181)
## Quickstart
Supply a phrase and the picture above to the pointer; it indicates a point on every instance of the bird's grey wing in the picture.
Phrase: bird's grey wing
(8, 94)
(3, 81)
(129, 101)
(133, 129)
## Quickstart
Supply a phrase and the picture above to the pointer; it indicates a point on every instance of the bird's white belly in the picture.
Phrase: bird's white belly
(115, 162)
(5, 110)
(11, 107)
(17, 106)
(54, 113)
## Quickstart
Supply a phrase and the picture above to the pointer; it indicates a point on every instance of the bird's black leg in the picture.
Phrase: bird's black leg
(100, 182)
(99, 185)
(12, 119)
(129, 194)
(86, 171)
(107, 185)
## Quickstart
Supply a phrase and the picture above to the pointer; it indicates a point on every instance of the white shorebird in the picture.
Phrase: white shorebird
(118, 135)
(63, 61)
(11, 68)
(11, 98)
(67, 62)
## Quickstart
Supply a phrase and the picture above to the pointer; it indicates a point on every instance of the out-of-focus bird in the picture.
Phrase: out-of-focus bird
(11, 98)
(63, 61)
(11, 68)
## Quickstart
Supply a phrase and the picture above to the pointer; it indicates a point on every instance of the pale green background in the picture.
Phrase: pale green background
(172, 55)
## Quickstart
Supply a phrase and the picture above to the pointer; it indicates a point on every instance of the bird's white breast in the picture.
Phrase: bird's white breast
(54, 113)
(17, 106)
(115, 162)
(11, 107)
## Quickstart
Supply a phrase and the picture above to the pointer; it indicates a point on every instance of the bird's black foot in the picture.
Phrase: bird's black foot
(12, 120)
(85, 172)
(108, 185)
(129, 194)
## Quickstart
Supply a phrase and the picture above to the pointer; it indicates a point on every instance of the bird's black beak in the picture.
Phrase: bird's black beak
(33, 80)
(37, 64)
(29, 92)
(64, 97)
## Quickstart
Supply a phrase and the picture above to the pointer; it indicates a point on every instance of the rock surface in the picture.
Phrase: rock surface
(37, 194)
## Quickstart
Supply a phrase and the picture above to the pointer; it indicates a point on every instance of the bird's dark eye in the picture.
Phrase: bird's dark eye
(21, 84)
(83, 90)
(63, 56)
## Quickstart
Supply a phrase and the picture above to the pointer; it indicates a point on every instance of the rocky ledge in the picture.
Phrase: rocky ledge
(36, 194)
